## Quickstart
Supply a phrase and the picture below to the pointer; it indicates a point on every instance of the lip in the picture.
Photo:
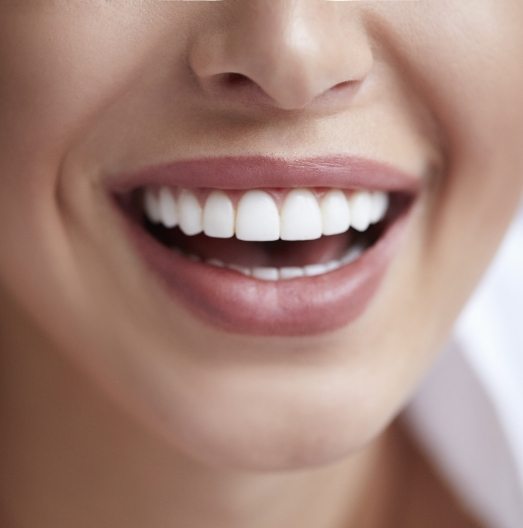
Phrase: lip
(249, 172)
(245, 305)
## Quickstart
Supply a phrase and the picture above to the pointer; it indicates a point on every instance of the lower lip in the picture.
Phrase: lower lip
(297, 307)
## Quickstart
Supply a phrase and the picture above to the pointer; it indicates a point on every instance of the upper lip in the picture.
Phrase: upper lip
(247, 172)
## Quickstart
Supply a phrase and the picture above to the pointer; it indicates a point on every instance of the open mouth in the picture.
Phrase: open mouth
(267, 234)
(267, 259)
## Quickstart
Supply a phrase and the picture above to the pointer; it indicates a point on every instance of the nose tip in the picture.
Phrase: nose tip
(298, 65)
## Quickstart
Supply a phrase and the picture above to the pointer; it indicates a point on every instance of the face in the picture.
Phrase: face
(409, 115)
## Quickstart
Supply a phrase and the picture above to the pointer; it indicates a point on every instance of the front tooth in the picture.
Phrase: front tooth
(291, 273)
(190, 213)
(268, 274)
(257, 217)
(168, 208)
(360, 204)
(335, 213)
(380, 204)
(300, 216)
(218, 216)
(151, 206)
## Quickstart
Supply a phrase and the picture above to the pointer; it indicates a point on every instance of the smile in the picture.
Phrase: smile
(269, 246)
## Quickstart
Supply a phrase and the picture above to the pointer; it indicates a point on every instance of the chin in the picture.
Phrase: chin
(260, 426)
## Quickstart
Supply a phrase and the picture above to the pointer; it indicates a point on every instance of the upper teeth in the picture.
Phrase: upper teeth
(255, 216)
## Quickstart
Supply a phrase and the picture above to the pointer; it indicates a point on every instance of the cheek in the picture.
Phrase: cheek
(466, 71)
(483, 123)
(472, 80)
(469, 73)
(465, 67)
(59, 69)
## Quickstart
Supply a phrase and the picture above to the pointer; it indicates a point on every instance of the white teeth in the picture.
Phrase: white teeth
(352, 254)
(218, 216)
(288, 273)
(190, 213)
(303, 216)
(300, 216)
(331, 266)
(335, 213)
(241, 269)
(268, 274)
(380, 204)
(312, 270)
(168, 208)
(291, 273)
(360, 204)
(216, 263)
(151, 206)
(257, 218)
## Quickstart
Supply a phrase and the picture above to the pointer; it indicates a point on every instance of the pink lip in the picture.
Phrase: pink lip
(249, 172)
(239, 304)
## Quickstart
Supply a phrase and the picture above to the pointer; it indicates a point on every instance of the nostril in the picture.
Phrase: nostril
(240, 89)
(234, 85)
(236, 79)
(342, 85)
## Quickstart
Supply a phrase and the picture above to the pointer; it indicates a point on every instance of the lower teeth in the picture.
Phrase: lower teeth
(285, 273)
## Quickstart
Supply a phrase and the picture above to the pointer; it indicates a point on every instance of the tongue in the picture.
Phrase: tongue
(258, 254)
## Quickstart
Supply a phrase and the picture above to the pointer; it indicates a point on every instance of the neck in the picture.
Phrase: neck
(70, 457)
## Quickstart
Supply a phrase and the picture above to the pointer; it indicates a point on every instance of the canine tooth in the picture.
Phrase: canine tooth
(300, 216)
(151, 206)
(168, 208)
(216, 263)
(353, 254)
(335, 213)
(218, 216)
(257, 217)
(380, 204)
(333, 265)
(190, 213)
(315, 269)
(360, 205)
(291, 273)
(241, 269)
(268, 274)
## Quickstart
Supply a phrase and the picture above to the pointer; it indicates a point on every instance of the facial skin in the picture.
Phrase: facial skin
(90, 89)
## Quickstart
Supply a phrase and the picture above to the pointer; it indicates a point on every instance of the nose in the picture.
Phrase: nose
(289, 54)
